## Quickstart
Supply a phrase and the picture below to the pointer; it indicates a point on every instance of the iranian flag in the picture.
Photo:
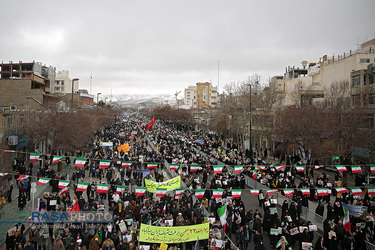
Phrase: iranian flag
(80, 162)
(179, 191)
(199, 193)
(255, 174)
(140, 191)
(261, 167)
(3, 174)
(322, 191)
(371, 191)
(372, 168)
(22, 177)
(318, 166)
(104, 163)
(254, 191)
(82, 186)
(356, 191)
(222, 212)
(152, 165)
(272, 191)
(278, 244)
(34, 157)
(57, 158)
(160, 192)
(341, 190)
(278, 168)
(120, 189)
(238, 169)
(218, 169)
(288, 192)
(236, 193)
(63, 184)
(165, 208)
(43, 181)
(341, 168)
(305, 191)
(346, 220)
(300, 168)
(174, 167)
(102, 188)
(217, 193)
(356, 169)
(126, 164)
(194, 168)
(63, 191)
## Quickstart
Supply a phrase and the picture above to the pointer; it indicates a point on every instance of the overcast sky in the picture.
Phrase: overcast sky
(163, 46)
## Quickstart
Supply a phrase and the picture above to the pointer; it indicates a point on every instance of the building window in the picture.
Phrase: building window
(364, 60)
(315, 84)
(62, 83)
(355, 100)
(371, 99)
(356, 80)
(57, 82)
(10, 121)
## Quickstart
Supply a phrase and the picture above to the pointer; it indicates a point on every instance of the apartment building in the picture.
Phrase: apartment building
(202, 95)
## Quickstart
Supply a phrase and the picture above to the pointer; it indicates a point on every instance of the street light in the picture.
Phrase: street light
(75, 79)
(97, 101)
(250, 146)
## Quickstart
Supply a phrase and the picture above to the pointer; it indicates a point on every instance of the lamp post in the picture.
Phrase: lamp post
(97, 101)
(75, 79)
(250, 146)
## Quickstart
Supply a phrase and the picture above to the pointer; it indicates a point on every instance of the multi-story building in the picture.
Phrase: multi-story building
(201, 96)
(63, 84)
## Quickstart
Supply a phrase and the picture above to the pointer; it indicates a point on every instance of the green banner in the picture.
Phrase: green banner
(174, 234)
(170, 185)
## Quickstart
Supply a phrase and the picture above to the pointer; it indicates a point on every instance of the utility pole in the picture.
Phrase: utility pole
(75, 79)
(97, 101)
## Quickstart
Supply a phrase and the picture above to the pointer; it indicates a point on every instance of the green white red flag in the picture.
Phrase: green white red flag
(238, 169)
(160, 192)
(43, 181)
(279, 168)
(272, 191)
(300, 168)
(341, 190)
(194, 168)
(152, 165)
(322, 191)
(371, 191)
(318, 166)
(199, 193)
(63, 191)
(22, 177)
(305, 191)
(104, 163)
(341, 168)
(218, 169)
(56, 158)
(288, 192)
(140, 191)
(222, 213)
(372, 168)
(179, 191)
(356, 169)
(174, 167)
(3, 174)
(80, 162)
(261, 167)
(126, 164)
(254, 191)
(63, 184)
(34, 157)
(236, 193)
(346, 220)
(102, 188)
(217, 193)
(82, 186)
(356, 191)
(278, 244)
(120, 189)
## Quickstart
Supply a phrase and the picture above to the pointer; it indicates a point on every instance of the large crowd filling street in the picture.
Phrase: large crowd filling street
(207, 164)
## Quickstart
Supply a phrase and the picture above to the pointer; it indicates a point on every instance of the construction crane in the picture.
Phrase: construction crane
(178, 106)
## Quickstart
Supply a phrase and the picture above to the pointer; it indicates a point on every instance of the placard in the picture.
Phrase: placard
(169, 223)
(306, 245)
(273, 210)
(274, 231)
(274, 201)
(294, 231)
(301, 229)
(331, 234)
(144, 247)
(52, 202)
(211, 220)
(267, 203)
(313, 228)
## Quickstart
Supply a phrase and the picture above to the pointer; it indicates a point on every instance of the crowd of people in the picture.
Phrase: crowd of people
(178, 145)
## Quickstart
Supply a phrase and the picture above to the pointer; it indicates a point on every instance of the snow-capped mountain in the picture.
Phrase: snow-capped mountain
(146, 100)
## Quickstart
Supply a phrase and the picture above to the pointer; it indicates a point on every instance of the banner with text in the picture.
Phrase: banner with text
(170, 185)
(174, 234)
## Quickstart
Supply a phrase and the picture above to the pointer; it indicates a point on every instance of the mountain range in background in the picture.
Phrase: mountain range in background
(143, 100)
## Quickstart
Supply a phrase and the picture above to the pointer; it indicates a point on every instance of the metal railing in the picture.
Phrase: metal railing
(370, 246)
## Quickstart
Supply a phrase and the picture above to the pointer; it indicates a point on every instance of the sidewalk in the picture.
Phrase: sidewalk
(11, 213)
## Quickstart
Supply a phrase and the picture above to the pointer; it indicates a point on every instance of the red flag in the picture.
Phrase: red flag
(74, 209)
(149, 126)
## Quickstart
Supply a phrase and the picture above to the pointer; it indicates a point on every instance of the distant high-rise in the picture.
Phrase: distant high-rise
(201, 96)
